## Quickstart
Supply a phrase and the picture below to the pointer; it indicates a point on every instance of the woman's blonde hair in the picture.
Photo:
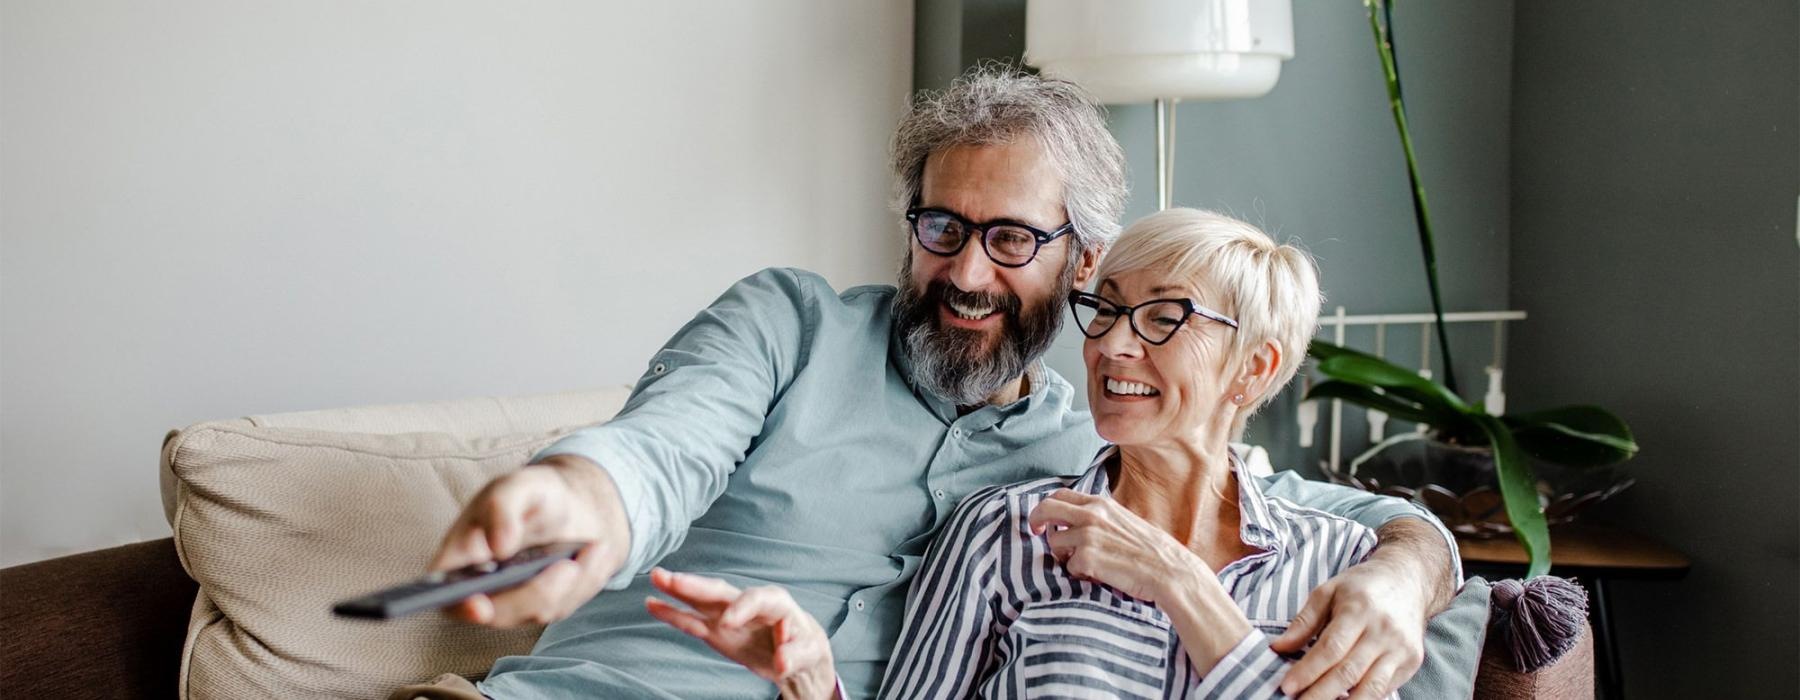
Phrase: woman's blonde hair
(1271, 290)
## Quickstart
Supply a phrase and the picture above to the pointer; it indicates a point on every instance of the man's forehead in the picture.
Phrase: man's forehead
(988, 182)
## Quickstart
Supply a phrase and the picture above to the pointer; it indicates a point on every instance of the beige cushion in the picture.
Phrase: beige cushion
(478, 417)
(278, 523)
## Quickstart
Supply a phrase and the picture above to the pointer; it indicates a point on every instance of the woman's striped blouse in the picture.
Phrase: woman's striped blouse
(993, 614)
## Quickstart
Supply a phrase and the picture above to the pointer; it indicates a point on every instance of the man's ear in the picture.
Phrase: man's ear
(1090, 263)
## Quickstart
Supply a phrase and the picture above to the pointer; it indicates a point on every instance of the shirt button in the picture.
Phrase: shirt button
(956, 432)
(659, 368)
(939, 493)
(859, 604)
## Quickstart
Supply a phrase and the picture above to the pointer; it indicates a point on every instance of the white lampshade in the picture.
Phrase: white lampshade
(1126, 51)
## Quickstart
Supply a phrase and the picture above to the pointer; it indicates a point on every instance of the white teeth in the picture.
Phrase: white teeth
(972, 313)
(1121, 387)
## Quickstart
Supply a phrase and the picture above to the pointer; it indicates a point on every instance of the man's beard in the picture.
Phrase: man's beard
(957, 363)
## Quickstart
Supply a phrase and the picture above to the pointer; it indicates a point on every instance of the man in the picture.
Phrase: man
(793, 436)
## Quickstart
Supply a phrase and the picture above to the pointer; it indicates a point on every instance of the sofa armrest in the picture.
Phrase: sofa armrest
(1571, 676)
(108, 623)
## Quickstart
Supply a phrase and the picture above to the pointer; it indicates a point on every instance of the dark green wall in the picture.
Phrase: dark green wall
(1655, 169)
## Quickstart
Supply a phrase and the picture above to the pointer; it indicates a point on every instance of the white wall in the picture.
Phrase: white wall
(216, 208)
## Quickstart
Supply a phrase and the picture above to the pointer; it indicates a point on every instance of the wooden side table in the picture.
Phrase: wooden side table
(1593, 555)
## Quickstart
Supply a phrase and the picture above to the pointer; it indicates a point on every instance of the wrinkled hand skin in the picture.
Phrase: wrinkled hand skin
(1097, 539)
(1370, 620)
(761, 628)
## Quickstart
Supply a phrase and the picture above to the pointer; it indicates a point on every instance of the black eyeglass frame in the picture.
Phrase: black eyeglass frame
(1188, 307)
(971, 228)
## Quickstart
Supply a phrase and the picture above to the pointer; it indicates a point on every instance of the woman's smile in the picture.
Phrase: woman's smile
(1121, 389)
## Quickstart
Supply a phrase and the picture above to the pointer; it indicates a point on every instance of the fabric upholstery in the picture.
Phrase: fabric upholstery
(448, 686)
(1568, 678)
(104, 624)
(1455, 637)
(277, 524)
(478, 417)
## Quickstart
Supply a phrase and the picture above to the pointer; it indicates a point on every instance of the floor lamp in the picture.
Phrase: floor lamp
(1161, 51)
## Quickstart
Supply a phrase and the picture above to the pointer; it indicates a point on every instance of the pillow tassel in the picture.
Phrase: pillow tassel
(1538, 620)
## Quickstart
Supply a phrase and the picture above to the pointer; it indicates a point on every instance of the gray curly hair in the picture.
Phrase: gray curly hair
(995, 103)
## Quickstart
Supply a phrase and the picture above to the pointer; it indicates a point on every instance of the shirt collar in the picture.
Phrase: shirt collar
(1258, 527)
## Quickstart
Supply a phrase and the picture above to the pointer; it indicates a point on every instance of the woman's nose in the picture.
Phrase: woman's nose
(1119, 341)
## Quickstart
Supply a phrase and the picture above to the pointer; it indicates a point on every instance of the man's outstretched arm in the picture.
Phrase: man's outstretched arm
(633, 484)
(1370, 620)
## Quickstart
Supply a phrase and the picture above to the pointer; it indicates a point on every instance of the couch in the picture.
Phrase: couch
(232, 604)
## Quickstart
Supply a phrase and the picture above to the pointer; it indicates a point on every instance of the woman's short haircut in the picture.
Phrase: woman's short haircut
(1271, 290)
(995, 104)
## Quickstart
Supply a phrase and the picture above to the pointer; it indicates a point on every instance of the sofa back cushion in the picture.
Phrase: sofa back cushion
(276, 524)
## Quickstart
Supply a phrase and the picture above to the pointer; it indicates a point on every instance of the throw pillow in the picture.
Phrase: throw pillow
(277, 524)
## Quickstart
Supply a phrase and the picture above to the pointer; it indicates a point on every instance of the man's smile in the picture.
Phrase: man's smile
(961, 315)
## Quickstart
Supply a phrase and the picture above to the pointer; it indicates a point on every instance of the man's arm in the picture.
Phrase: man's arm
(692, 416)
(695, 411)
(1370, 620)
(633, 484)
(1375, 512)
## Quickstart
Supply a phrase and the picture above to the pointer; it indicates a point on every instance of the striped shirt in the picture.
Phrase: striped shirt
(992, 613)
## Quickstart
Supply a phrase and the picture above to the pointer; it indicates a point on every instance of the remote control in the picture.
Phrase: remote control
(442, 588)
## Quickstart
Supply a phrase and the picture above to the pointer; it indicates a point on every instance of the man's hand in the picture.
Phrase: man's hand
(1370, 620)
(762, 629)
(562, 499)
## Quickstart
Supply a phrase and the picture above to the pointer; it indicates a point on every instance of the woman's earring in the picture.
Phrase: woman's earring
(1238, 398)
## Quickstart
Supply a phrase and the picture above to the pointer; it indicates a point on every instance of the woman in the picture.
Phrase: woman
(1159, 572)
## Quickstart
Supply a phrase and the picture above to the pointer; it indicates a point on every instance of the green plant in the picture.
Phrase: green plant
(1572, 435)
(1575, 436)
(1381, 23)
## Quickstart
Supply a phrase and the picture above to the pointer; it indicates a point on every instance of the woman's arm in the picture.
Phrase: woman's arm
(1104, 541)
(1206, 619)
(1232, 658)
(1101, 540)
(1242, 666)
(946, 643)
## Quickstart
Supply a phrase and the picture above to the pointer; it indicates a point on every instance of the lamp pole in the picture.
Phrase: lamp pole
(1165, 151)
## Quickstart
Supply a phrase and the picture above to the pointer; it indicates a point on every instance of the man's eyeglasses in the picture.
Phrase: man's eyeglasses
(1155, 321)
(1007, 243)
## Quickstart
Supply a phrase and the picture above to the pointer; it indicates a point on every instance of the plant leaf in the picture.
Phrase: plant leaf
(1321, 350)
(1518, 489)
(1363, 369)
(1578, 436)
(1369, 397)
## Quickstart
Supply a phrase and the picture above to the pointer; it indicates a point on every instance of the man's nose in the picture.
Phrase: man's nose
(971, 269)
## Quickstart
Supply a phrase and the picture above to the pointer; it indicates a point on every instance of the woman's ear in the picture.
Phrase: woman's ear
(1258, 375)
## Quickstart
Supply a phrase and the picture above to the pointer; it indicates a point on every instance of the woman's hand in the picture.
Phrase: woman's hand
(1106, 542)
(1097, 539)
(762, 629)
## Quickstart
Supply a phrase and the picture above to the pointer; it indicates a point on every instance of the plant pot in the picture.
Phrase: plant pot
(1457, 483)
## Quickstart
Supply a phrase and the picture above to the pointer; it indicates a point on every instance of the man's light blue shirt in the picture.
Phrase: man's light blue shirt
(777, 439)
